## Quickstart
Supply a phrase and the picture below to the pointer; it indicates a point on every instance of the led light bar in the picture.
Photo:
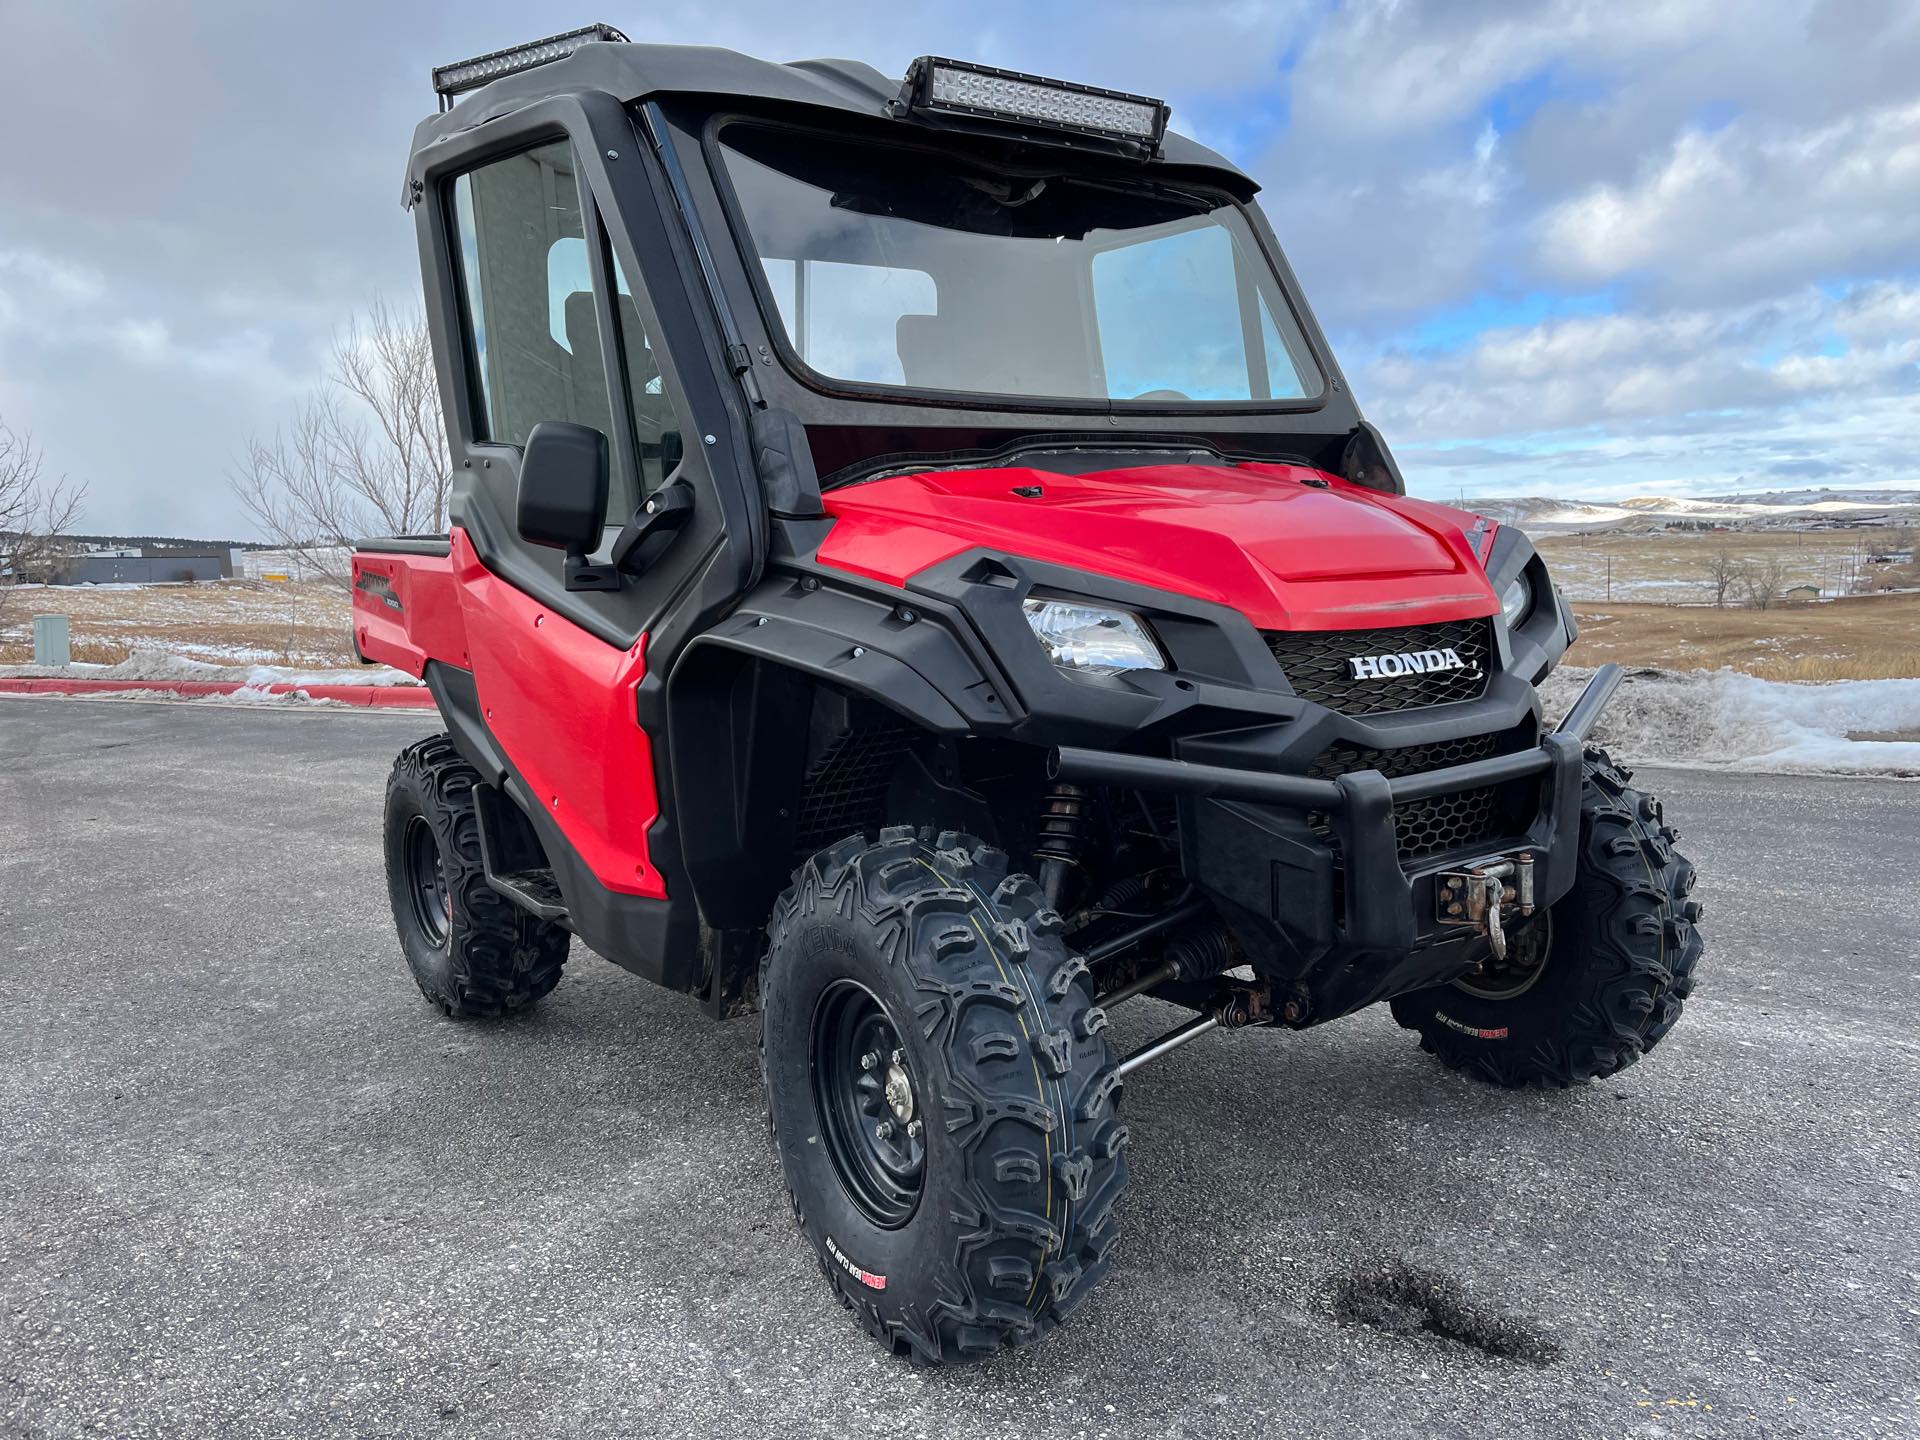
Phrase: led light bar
(464, 75)
(958, 87)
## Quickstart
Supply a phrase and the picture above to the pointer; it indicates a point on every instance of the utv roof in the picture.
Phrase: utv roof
(630, 72)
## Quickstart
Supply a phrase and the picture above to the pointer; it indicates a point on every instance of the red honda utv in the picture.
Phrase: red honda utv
(918, 573)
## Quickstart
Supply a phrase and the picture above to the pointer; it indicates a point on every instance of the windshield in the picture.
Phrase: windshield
(902, 266)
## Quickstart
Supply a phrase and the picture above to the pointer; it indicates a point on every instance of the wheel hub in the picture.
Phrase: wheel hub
(899, 1093)
(1502, 978)
(864, 1094)
(427, 882)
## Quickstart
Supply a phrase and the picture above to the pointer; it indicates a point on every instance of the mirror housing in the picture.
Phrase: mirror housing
(563, 487)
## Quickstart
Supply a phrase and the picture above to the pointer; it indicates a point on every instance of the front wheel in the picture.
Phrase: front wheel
(1593, 984)
(941, 1093)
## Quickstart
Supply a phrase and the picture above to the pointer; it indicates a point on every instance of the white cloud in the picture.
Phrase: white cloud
(1751, 203)
(1387, 67)
(49, 306)
(28, 270)
(1688, 398)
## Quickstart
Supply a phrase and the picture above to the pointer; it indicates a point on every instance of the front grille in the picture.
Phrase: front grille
(1315, 662)
(1343, 757)
(1441, 822)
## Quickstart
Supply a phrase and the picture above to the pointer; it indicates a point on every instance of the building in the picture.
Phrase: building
(150, 565)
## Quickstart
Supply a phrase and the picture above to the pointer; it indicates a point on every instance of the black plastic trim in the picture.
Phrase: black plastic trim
(655, 939)
(437, 546)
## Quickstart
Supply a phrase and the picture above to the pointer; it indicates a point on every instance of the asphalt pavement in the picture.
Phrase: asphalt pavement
(252, 1184)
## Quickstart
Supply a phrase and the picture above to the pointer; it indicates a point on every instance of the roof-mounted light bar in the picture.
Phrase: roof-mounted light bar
(958, 87)
(464, 75)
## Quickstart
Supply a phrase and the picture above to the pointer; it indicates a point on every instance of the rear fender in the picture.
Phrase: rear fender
(406, 607)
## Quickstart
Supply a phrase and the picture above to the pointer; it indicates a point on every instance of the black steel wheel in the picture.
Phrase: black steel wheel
(1603, 981)
(865, 1094)
(941, 1092)
(471, 950)
(427, 881)
(1528, 945)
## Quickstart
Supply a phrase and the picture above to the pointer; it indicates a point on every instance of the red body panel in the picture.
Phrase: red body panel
(427, 626)
(558, 701)
(1288, 554)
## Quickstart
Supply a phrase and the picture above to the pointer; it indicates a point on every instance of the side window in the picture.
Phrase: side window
(529, 296)
(851, 321)
(532, 320)
(658, 441)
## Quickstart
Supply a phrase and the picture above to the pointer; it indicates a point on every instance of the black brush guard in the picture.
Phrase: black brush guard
(1343, 916)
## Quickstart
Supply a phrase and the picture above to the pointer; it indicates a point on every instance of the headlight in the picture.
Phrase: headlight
(1517, 601)
(1093, 641)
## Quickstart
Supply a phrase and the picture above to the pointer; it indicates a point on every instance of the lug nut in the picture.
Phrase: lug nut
(899, 1057)
(883, 1131)
(913, 1129)
(869, 1060)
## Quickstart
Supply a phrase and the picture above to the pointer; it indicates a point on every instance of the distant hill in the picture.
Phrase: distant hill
(1765, 509)
(172, 542)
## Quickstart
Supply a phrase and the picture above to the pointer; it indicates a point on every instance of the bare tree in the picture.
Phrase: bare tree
(1723, 573)
(1764, 582)
(35, 511)
(367, 454)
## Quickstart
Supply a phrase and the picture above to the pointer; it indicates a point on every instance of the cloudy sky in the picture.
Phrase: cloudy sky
(1573, 248)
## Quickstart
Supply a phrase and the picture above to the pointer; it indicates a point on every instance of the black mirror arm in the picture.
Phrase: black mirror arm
(661, 513)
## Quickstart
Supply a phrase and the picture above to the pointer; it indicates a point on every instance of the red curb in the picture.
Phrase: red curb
(377, 697)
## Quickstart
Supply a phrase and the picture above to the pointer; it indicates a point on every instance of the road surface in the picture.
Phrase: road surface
(251, 1184)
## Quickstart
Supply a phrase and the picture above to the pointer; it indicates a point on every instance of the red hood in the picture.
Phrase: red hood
(1288, 554)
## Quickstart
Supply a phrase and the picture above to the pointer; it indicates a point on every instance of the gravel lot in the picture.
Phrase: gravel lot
(251, 1184)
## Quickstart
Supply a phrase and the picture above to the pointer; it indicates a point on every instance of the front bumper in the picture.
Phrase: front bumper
(1336, 910)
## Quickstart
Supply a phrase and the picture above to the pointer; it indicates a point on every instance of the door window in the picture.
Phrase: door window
(533, 317)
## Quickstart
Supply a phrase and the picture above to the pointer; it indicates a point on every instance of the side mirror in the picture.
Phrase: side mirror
(563, 487)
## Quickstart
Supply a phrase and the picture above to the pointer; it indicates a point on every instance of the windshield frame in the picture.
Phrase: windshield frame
(740, 232)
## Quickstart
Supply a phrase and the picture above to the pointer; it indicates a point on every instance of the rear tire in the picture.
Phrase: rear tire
(471, 950)
(1619, 965)
(917, 974)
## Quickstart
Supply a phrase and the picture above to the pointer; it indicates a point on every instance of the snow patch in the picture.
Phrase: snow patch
(163, 665)
(1722, 719)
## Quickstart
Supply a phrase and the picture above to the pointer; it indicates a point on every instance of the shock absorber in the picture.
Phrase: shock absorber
(1061, 838)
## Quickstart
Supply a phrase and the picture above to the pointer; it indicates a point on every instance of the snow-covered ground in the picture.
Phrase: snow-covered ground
(1539, 512)
(1725, 720)
(159, 665)
(1711, 719)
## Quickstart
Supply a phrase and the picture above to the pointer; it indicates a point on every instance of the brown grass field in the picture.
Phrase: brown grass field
(244, 623)
(1674, 566)
(1868, 637)
(227, 622)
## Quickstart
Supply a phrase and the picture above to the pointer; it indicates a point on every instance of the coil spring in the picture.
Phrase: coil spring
(1062, 831)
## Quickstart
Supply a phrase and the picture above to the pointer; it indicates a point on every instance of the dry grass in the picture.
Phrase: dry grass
(229, 622)
(242, 623)
(1869, 637)
(1673, 566)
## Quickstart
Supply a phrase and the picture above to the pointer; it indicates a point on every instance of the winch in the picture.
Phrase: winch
(1478, 896)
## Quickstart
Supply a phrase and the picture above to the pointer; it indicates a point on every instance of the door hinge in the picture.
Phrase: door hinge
(740, 360)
